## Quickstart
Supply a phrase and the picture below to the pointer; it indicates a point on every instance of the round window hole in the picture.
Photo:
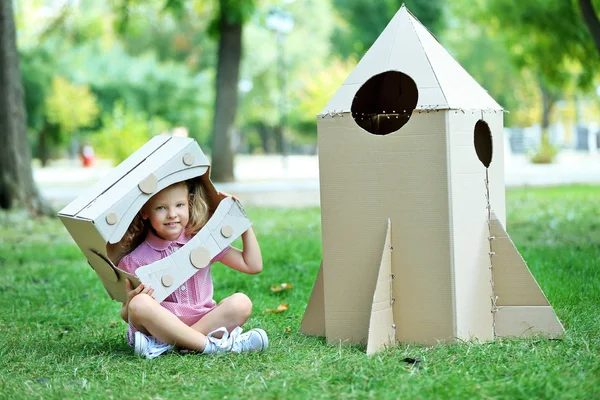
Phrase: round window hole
(385, 102)
(483, 142)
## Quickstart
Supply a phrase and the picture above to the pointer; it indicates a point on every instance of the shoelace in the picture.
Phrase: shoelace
(156, 348)
(225, 342)
(240, 343)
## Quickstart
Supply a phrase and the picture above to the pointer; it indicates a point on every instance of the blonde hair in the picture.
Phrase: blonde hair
(138, 229)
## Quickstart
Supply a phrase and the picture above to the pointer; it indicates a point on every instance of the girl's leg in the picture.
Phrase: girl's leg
(148, 316)
(231, 312)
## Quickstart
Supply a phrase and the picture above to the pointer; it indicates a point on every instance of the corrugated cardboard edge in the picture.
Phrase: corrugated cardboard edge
(313, 322)
(514, 285)
(528, 312)
(114, 175)
(524, 321)
(93, 247)
(382, 330)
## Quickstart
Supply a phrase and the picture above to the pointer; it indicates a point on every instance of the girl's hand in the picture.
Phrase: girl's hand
(228, 195)
(131, 293)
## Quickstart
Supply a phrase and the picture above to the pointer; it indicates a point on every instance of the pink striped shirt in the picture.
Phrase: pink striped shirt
(192, 300)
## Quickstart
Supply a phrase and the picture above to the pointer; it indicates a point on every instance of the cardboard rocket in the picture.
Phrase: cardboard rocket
(413, 206)
(98, 219)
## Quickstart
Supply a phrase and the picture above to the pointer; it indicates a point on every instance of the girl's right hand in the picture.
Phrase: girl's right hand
(131, 293)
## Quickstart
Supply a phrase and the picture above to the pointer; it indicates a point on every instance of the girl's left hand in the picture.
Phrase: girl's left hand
(228, 195)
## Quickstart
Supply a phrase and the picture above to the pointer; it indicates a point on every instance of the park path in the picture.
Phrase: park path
(293, 181)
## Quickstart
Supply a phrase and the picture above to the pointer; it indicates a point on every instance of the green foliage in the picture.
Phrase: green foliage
(547, 36)
(69, 106)
(178, 36)
(360, 22)
(489, 62)
(300, 59)
(124, 131)
(37, 70)
(62, 336)
(231, 12)
(90, 55)
(165, 90)
(316, 89)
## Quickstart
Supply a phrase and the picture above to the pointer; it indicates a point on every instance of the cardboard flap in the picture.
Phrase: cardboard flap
(114, 175)
(514, 285)
(527, 321)
(313, 322)
(94, 249)
(382, 330)
(125, 198)
(227, 224)
(131, 204)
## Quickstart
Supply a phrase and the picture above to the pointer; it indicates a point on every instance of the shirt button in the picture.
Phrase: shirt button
(182, 287)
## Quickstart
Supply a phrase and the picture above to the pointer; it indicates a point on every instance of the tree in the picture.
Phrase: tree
(227, 27)
(362, 21)
(230, 19)
(17, 188)
(590, 17)
(547, 37)
(268, 107)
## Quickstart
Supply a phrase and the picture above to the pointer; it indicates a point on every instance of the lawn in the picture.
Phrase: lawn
(61, 336)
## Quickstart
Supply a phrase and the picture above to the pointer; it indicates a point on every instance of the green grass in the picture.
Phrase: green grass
(61, 336)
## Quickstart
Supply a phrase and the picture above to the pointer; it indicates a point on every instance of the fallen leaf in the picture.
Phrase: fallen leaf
(288, 330)
(280, 308)
(281, 288)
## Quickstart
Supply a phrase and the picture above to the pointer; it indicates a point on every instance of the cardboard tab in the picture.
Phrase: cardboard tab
(313, 322)
(514, 285)
(382, 330)
(525, 321)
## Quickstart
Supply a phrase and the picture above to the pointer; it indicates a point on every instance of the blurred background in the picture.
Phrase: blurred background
(246, 79)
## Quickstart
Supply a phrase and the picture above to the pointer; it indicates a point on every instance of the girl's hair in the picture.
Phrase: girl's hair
(138, 229)
(198, 208)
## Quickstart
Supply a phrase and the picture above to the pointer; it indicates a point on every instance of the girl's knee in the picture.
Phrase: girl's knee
(140, 307)
(241, 304)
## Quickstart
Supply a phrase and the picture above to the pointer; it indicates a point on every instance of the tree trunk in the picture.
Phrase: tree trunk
(44, 150)
(17, 188)
(265, 137)
(228, 69)
(591, 20)
(548, 102)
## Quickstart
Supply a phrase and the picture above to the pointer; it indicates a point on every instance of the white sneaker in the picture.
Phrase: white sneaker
(236, 341)
(253, 340)
(216, 344)
(149, 346)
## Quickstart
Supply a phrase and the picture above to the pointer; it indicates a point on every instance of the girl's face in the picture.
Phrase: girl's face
(168, 211)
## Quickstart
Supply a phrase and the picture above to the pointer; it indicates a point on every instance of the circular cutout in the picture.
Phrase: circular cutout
(112, 218)
(482, 139)
(167, 280)
(149, 184)
(385, 103)
(189, 159)
(200, 257)
(226, 231)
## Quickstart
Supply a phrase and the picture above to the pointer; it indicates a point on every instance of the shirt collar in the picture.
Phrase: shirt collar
(159, 244)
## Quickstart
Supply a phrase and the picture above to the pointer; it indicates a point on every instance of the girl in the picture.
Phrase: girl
(189, 317)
